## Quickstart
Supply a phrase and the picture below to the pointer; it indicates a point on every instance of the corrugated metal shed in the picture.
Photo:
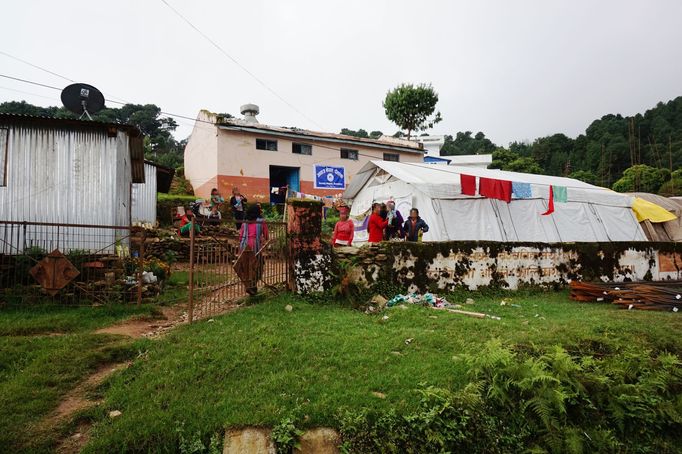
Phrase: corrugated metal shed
(144, 197)
(67, 172)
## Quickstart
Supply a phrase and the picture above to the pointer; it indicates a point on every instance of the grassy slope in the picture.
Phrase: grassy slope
(37, 367)
(253, 366)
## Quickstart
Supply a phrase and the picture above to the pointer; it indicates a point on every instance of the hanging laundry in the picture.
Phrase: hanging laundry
(495, 189)
(550, 207)
(560, 194)
(468, 183)
(521, 190)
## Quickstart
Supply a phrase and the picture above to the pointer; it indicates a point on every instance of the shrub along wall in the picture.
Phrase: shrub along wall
(473, 264)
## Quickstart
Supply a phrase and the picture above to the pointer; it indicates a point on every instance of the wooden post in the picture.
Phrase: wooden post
(140, 267)
(190, 310)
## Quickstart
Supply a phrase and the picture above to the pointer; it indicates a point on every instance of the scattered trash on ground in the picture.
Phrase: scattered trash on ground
(379, 395)
(427, 299)
(288, 308)
(437, 302)
(409, 341)
(661, 296)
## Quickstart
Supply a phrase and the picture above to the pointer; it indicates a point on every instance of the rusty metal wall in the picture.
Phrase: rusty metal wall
(66, 176)
(144, 197)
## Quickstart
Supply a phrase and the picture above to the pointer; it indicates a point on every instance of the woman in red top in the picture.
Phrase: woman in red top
(344, 229)
(376, 225)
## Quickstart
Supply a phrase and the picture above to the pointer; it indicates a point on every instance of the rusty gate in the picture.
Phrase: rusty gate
(221, 273)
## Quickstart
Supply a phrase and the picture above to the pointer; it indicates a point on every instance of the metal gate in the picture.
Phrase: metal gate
(215, 285)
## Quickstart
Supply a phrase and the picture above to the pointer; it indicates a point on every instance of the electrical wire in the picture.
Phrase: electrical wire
(241, 66)
(35, 66)
(302, 141)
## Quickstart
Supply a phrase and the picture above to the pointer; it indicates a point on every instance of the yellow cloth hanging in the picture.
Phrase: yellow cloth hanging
(646, 210)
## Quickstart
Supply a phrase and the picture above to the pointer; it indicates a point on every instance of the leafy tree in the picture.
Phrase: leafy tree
(504, 159)
(672, 187)
(464, 143)
(524, 164)
(584, 175)
(642, 178)
(375, 134)
(411, 107)
(361, 133)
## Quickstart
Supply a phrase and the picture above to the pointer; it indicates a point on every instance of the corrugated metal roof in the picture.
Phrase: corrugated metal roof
(383, 142)
(164, 176)
(134, 134)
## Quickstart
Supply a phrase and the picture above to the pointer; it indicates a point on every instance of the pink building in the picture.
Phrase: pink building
(227, 152)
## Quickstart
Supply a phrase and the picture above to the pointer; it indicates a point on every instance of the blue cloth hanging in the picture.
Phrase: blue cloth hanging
(521, 190)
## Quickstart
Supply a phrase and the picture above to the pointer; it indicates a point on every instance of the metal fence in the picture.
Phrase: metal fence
(72, 263)
(220, 275)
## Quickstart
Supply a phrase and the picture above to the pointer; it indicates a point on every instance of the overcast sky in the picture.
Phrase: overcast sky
(515, 70)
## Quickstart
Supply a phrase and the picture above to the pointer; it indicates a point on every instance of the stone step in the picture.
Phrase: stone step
(256, 440)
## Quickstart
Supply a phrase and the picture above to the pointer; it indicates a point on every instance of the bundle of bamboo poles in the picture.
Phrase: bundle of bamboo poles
(660, 296)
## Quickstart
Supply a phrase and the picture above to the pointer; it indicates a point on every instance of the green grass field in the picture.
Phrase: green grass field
(259, 364)
(44, 352)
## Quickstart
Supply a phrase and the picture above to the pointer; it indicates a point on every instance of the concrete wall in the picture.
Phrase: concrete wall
(201, 154)
(446, 266)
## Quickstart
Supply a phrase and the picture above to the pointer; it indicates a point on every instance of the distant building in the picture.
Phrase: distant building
(259, 159)
(432, 146)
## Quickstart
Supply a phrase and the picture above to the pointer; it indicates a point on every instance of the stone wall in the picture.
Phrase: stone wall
(310, 257)
(445, 266)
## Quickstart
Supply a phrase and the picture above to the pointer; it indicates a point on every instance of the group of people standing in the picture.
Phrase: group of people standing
(252, 233)
(385, 223)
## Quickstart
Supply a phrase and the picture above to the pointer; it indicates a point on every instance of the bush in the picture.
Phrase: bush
(551, 402)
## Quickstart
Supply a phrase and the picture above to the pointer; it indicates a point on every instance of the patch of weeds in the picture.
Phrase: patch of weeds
(286, 434)
(195, 444)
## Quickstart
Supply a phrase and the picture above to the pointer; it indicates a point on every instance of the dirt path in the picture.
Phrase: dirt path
(78, 399)
(148, 327)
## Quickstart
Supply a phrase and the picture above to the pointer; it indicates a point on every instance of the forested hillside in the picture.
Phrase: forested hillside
(624, 153)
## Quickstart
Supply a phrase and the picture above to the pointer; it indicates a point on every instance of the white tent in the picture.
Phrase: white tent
(590, 214)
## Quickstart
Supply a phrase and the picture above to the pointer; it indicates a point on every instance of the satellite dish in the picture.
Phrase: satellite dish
(82, 99)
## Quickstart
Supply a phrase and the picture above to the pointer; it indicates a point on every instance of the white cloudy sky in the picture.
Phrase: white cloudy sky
(513, 69)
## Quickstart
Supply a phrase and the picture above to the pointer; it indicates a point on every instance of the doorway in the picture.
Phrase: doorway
(281, 177)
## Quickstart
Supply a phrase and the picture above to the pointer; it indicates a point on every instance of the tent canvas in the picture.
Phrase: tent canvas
(591, 213)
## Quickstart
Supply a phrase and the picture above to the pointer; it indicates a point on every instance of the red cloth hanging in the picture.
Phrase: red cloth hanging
(550, 207)
(468, 183)
(495, 189)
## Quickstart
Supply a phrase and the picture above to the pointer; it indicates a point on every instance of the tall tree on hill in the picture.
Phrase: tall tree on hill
(412, 107)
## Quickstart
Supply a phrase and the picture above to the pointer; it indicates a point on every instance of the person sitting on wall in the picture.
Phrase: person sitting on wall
(186, 224)
(237, 204)
(395, 222)
(216, 202)
(377, 224)
(414, 226)
(344, 229)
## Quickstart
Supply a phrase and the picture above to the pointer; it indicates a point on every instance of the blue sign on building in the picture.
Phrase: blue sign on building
(330, 177)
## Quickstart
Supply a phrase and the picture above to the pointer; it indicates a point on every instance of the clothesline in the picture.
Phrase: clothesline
(503, 177)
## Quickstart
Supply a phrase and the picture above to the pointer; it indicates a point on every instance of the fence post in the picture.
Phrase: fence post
(190, 311)
(140, 266)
